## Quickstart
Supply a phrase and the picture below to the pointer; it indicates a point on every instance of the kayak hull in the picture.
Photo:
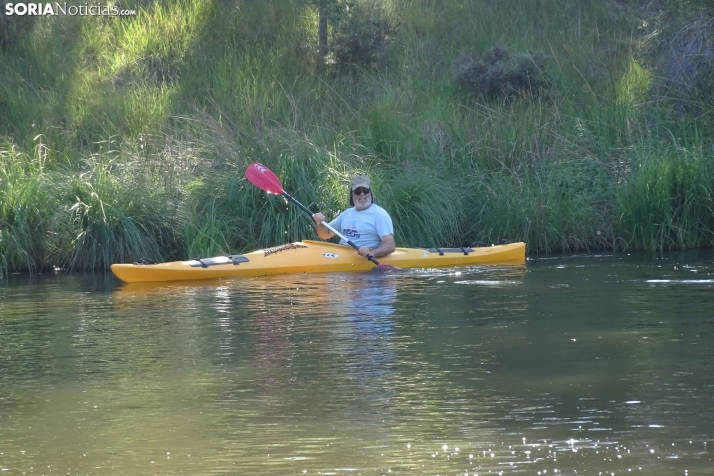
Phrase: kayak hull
(314, 257)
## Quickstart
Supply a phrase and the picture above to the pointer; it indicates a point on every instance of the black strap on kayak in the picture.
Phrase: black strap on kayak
(217, 260)
(238, 259)
(441, 251)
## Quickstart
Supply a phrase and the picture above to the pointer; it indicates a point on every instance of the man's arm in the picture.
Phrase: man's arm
(387, 247)
(322, 231)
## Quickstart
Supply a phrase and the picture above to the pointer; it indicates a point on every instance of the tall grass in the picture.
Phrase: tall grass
(669, 203)
(148, 123)
(426, 208)
(22, 215)
(81, 218)
(106, 213)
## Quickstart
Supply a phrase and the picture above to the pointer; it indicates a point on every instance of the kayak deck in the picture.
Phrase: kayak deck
(314, 257)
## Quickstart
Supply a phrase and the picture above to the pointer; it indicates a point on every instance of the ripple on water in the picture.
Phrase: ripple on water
(484, 282)
(477, 371)
(680, 281)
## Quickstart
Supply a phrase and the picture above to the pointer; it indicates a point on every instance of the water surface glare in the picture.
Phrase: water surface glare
(599, 365)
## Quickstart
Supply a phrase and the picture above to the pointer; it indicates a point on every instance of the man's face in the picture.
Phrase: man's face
(362, 197)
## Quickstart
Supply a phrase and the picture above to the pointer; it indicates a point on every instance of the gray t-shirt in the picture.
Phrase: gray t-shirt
(365, 228)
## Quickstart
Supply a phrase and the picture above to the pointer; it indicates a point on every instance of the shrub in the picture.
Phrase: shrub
(500, 72)
(686, 66)
(12, 28)
(361, 36)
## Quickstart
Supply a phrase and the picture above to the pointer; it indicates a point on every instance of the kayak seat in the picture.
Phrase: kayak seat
(145, 261)
(217, 260)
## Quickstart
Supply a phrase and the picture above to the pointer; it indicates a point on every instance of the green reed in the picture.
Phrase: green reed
(85, 217)
(147, 125)
(22, 216)
(668, 203)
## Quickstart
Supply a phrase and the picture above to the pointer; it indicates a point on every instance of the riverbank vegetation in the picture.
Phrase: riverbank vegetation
(569, 125)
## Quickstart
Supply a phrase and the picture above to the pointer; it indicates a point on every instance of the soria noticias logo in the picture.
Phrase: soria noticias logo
(65, 9)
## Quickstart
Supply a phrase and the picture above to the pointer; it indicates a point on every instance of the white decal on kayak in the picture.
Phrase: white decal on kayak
(426, 255)
(330, 255)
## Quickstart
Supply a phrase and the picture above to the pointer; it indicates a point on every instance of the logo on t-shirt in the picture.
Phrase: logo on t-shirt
(351, 231)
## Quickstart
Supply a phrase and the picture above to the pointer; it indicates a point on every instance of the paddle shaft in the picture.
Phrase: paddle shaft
(327, 225)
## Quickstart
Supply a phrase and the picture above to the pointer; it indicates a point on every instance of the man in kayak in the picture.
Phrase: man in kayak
(366, 224)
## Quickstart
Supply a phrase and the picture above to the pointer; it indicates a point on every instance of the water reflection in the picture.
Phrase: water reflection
(575, 364)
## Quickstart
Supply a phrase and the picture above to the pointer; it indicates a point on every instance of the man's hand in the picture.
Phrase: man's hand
(384, 249)
(322, 231)
(364, 251)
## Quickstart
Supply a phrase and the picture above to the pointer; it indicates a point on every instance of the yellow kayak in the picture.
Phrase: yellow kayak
(315, 257)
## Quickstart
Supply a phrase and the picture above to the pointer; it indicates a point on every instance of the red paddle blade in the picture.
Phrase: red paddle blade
(262, 177)
(385, 268)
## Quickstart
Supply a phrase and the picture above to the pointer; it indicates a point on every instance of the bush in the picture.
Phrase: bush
(500, 72)
(361, 37)
(686, 66)
(12, 28)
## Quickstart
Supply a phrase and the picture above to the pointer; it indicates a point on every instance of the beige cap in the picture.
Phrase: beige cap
(359, 181)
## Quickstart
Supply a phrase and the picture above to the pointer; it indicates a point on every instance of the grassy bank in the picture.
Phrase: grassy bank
(128, 137)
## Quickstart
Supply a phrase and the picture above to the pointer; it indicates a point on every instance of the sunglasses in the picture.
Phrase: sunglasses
(361, 191)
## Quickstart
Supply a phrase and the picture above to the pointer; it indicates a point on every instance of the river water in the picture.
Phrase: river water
(598, 364)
